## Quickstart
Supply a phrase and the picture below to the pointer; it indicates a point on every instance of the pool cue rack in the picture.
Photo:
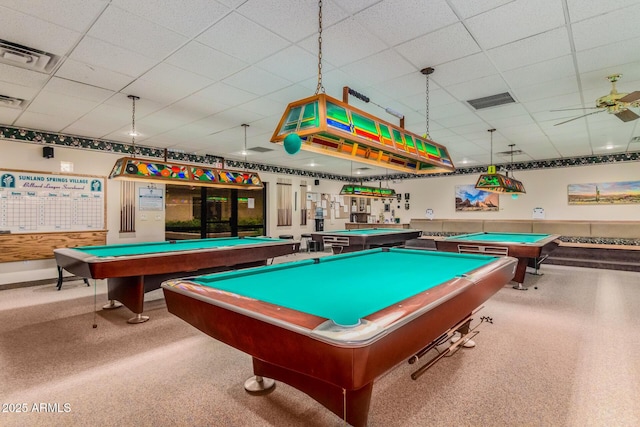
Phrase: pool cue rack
(466, 334)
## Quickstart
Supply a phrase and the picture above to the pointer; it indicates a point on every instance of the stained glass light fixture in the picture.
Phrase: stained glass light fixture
(164, 172)
(355, 190)
(328, 126)
(497, 183)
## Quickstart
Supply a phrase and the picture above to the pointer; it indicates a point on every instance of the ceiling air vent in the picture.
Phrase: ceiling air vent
(491, 101)
(260, 149)
(26, 57)
(11, 102)
(508, 153)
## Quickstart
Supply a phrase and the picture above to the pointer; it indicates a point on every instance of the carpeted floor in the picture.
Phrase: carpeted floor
(565, 354)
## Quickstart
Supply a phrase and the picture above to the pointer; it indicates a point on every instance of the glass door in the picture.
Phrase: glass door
(224, 212)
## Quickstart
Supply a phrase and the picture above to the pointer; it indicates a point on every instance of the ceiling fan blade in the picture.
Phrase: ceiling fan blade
(579, 117)
(627, 115)
(631, 97)
(572, 109)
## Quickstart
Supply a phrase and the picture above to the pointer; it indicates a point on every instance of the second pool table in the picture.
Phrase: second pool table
(523, 246)
(330, 326)
(133, 269)
(343, 241)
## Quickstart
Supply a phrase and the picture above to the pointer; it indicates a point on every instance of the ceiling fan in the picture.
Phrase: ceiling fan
(613, 103)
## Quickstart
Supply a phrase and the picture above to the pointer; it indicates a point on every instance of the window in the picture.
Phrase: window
(303, 203)
(284, 203)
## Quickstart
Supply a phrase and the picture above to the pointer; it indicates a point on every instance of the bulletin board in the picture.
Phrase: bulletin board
(37, 202)
(332, 205)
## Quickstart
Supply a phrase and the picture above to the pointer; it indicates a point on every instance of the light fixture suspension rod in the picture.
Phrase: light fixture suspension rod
(320, 87)
(133, 99)
(244, 151)
(427, 71)
(491, 147)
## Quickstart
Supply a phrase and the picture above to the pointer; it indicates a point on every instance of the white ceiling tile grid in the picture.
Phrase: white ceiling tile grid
(203, 67)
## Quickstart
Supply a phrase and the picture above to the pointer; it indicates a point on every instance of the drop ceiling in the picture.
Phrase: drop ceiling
(202, 68)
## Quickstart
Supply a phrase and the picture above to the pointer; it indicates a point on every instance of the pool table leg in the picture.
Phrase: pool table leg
(130, 292)
(521, 269)
(350, 405)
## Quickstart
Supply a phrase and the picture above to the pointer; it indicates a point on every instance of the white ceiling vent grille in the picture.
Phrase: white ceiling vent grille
(26, 57)
(491, 101)
(8, 101)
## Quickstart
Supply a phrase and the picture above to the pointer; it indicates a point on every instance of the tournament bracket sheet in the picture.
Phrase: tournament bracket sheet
(33, 202)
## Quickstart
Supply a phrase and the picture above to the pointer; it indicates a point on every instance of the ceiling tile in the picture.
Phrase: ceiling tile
(378, 68)
(345, 42)
(540, 72)
(121, 28)
(397, 21)
(464, 69)
(44, 122)
(98, 52)
(241, 38)
(77, 90)
(257, 81)
(205, 61)
(468, 8)
(169, 75)
(516, 20)
(617, 53)
(531, 50)
(433, 49)
(17, 91)
(561, 86)
(93, 75)
(583, 9)
(270, 15)
(8, 115)
(75, 15)
(22, 77)
(17, 27)
(585, 37)
(301, 64)
(187, 17)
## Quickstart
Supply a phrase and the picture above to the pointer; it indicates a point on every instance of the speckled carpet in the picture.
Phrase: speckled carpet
(565, 354)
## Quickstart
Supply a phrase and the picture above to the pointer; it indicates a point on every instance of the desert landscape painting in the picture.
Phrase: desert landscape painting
(469, 198)
(604, 193)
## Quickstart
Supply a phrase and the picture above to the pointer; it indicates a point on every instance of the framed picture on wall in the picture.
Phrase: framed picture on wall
(604, 193)
(470, 199)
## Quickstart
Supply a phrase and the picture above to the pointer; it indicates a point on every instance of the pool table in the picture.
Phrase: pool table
(523, 246)
(330, 326)
(343, 241)
(133, 269)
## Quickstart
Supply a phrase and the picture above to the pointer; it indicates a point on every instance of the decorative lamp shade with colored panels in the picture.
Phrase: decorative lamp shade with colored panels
(498, 183)
(331, 127)
(365, 191)
(134, 169)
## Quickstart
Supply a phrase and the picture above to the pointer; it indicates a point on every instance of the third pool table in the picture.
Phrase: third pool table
(343, 241)
(523, 246)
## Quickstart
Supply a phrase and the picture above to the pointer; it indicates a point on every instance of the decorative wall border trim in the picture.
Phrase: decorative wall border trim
(72, 141)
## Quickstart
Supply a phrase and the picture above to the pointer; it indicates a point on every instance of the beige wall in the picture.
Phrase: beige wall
(545, 188)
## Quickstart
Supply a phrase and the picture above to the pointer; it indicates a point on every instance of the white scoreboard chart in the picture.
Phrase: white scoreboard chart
(34, 202)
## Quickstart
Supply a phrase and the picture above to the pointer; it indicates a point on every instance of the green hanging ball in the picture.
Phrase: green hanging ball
(292, 143)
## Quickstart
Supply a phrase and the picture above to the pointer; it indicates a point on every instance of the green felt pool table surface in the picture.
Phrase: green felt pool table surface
(330, 326)
(523, 238)
(340, 298)
(172, 246)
